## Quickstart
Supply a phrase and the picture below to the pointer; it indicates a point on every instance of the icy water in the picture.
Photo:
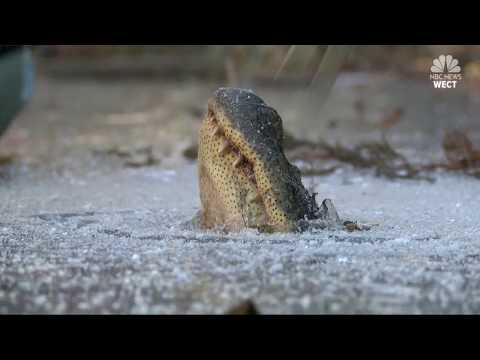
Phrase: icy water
(80, 233)
(114, 244)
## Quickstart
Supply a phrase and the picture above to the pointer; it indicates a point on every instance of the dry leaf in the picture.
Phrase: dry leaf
(245, 308)
(458, 150)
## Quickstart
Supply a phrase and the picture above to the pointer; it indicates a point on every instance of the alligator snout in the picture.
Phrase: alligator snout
(244, 177)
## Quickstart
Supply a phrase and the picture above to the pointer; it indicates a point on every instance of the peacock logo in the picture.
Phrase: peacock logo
(445, 64)
(445, 72)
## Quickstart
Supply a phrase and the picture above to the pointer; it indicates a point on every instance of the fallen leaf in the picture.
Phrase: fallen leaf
(459, 150)
(6, 160)
(392, 118)
(191, 152)
(245, 308)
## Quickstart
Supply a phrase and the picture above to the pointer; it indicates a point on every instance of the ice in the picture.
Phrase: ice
(132, 254)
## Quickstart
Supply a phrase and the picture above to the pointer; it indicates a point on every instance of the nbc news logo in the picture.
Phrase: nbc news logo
(445, 72)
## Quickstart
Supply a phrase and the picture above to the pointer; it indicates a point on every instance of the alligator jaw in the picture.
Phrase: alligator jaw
(245, 179)
(231, 153)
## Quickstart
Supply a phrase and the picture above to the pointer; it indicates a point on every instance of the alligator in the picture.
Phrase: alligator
(245, 179)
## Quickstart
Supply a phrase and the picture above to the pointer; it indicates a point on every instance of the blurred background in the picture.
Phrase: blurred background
(145, 102)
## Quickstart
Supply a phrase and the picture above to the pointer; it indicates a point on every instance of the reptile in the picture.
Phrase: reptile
(245, 179)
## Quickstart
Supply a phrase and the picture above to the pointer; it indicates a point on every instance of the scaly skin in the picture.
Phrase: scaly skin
(244, 177)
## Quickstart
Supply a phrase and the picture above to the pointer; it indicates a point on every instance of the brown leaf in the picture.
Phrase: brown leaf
(191, 153)
(6, 159)
(459, 150)
(245, 308)
(392, 118)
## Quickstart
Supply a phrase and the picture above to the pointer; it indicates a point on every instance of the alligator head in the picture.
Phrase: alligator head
(244, 177)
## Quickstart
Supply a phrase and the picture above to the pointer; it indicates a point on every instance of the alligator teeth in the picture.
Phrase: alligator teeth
(216, 131)
(254, 198)
(257, 198)
(224, 148)
(238, 162)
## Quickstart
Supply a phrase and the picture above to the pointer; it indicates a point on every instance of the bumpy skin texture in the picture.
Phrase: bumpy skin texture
(244, 177)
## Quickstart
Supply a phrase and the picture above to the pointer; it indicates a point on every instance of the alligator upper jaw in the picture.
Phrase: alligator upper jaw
(242, 161)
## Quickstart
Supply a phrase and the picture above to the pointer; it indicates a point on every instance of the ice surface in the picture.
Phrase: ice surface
(81, 235)
(114, 243)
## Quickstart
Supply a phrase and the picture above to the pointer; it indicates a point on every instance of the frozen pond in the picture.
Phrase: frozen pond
(122, 249)
(80, 233)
